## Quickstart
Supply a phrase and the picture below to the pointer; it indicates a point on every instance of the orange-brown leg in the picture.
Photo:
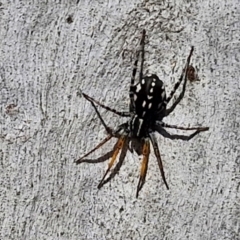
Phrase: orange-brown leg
(119, 146)
(80, 160)
(144, 165)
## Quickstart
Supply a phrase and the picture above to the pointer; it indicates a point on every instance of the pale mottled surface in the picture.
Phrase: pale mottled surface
(46, 60)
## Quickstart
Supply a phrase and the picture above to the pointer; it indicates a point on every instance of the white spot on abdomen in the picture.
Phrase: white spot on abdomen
(138, 88)
(149, 97)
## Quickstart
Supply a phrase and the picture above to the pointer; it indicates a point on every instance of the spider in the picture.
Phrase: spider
(147, 108)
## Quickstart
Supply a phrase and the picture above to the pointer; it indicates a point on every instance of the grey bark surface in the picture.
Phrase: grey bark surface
(52, 50)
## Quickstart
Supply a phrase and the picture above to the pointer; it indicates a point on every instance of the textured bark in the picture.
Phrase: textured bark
(51, 51)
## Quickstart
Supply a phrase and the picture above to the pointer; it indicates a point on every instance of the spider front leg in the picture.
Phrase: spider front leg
(180, 97)
(132, 87)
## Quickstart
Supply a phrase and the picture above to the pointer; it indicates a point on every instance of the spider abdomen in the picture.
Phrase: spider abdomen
(150, 104)
(149, 97)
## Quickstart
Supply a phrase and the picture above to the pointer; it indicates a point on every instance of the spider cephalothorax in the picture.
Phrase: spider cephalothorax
(148, 107)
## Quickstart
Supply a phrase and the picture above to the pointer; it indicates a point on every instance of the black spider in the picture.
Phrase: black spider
(148, 107)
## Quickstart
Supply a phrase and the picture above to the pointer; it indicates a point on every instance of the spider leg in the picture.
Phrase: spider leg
(166, 134)
(108, 129)
(114, 133)
(111, 133)
(159, 127)
(103, 158)
(119, 164)
(80, 160)
(119, 145)
(144, 166)
(180, 97)
(199, 129)
(158, 156)
(90, 99)
(131, 95)
(142, 43)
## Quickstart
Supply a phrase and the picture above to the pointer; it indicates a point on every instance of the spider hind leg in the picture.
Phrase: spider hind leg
(81, 160)
(144, 166)
(158, 156)
(118, 147)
